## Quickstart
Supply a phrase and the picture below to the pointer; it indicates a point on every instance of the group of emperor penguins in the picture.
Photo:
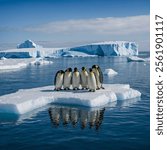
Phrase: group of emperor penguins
(89, 80)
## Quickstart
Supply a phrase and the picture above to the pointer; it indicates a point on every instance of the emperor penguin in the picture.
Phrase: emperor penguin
(76, 79)
(91, 81)
(84, 78)
(99, 76)
(58, 80)
(67, 79)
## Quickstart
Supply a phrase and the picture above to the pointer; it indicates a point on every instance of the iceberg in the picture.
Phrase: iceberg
(26, 100)
(27, 44)
(118, 48)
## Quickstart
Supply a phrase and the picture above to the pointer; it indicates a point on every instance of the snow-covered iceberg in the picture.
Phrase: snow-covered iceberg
(27, 44)
(118, 48)
(27, 100)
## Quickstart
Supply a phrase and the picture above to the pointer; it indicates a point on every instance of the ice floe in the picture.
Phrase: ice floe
(11, 64)
(26, 100)
(137, 59)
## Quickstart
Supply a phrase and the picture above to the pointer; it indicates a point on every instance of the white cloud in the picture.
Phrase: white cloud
(109, 25)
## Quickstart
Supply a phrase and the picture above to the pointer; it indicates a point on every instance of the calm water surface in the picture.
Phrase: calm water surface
(119, 125)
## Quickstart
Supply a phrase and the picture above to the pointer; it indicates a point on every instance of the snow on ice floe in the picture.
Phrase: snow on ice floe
(26, 100)
(137, 59)
(117, 48)
(11, 64)
(27, 44)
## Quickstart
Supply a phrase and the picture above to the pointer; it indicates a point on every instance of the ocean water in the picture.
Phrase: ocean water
(122, 125)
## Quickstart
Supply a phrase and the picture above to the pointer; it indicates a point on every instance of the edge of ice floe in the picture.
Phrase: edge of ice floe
(26, 100)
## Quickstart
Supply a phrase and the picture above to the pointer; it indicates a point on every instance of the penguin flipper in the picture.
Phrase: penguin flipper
(100, 75)
(55, 77)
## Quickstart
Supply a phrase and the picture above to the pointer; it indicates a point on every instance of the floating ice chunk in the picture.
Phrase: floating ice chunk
(27, 100)
(13, 64)
(137, 59)
(40, 61)
(110, 72)
(10, 64)
(3, 58)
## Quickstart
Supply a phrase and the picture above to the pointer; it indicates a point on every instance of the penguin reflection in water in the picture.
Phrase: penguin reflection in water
(58, 80)
(91, 81)
(54, 114)
(67, 79)
(99, 76)
(84, 78)
(76, 79)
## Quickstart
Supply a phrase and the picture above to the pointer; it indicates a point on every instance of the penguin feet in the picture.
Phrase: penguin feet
(98, 88)
(84, 88)
(57, 89)
(102, 88)
(91, 90)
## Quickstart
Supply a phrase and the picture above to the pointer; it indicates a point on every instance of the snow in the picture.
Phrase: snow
(27, 44)
(110, 72)
(118, 48)
(10, 64)
(137, 59)
(26, 100)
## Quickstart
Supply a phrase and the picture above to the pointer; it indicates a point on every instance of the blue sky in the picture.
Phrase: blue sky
(75, 21)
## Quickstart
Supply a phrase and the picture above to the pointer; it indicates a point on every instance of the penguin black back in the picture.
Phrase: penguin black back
(60, 71)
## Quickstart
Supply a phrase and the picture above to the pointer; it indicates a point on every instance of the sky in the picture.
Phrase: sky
(66, 22)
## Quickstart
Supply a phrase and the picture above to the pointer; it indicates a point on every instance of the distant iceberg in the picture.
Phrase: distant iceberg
(118, 48)
(28, 44)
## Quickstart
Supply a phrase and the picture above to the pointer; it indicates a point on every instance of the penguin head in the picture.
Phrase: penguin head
(69, 70)
(75, 69)
(61, 71)
(90, 69)
(83, 69)
(95, 66)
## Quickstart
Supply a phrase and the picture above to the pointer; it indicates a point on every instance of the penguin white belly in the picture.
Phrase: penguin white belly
(91, 81)
(76, 80)
(84, 79)
(67, 79)
(97, 78)
(59, 81)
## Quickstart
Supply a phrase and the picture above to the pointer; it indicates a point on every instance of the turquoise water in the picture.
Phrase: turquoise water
(119, 125)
